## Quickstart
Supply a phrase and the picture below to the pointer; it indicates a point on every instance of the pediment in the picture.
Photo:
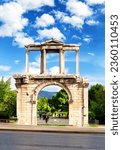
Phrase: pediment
(52, 42)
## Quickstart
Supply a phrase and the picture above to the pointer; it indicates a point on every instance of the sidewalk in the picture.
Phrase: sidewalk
(58, 129)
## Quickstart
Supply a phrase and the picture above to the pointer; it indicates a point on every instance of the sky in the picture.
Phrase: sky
(24, 22)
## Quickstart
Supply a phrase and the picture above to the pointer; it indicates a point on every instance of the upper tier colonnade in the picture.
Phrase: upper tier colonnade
(52, 46)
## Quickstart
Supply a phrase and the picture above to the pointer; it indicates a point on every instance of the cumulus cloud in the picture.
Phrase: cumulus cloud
(44, 21)
(92, 22)
(11, 19)
(4, 68)
(35, 4)
(34, 67)
(95, 2)
(34, 70)
(51, 33)
(53, 70)
(75, 21)
(78, 8)
(21, 39)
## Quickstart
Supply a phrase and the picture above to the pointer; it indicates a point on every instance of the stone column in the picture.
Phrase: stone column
(85, 107)
(43, 61)
(61, 70)
(77, 62)
(27, 61)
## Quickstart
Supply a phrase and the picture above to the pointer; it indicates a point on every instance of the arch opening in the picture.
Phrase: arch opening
(53, 105)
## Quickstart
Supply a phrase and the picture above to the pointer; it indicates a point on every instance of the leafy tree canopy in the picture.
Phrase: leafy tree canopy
(7, 98)
(97, 102)
(59, 102)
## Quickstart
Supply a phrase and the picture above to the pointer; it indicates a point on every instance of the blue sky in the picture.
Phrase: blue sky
(71, 21)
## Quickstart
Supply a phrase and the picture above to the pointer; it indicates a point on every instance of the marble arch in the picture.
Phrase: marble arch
(28, 85)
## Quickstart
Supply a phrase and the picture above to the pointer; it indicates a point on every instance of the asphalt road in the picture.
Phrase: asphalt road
(10, 140)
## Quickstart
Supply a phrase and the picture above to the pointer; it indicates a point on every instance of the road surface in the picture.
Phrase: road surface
(14, 140)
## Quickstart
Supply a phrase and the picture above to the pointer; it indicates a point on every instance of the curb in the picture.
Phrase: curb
(53, 129)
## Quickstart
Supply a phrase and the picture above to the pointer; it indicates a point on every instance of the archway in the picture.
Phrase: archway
(41, 86)
(53, 106)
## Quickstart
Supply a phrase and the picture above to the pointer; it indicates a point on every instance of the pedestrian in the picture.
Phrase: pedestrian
(46, 118)
(40, 116)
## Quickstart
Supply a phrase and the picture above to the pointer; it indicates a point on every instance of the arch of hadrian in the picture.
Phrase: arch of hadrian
(29, 85)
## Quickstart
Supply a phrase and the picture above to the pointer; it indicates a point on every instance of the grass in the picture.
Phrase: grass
(93, 125)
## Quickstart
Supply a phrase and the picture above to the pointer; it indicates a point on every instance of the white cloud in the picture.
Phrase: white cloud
(76, 37)
(87, 40)
(34, 67)
(44, 21)
(12, 86)
(74, 20)
(95, 2)
(92, 22)
(35, 4)
(79, 11)
(78, 8)
(52, 88)
(11, 19)
(21, 39)
(92, 54)
(13, 22)
(53, 70)
(51, 33)
(34, 70)
(4, 68)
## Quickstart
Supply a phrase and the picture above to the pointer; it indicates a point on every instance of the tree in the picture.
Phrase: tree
(9, 103)
(60, 101)
(7, 98)
(43, 105)
(4, 89)
(97, 103)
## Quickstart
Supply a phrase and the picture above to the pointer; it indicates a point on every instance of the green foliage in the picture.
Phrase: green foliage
(4, 89)
(7, 98)
(43, 105)
(97, 103)
(4, 115)
(58, 103)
